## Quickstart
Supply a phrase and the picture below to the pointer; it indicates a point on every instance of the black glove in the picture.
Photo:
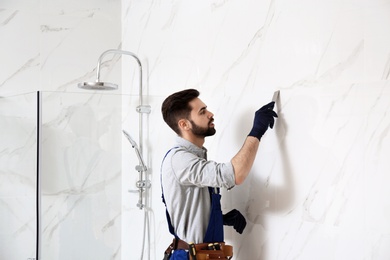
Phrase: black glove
(236, 219)
(264, 117)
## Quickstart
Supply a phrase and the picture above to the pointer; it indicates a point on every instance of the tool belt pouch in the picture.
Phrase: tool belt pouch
(203, 253)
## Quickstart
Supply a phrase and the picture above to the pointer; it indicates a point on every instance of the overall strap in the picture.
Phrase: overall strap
(170, 226)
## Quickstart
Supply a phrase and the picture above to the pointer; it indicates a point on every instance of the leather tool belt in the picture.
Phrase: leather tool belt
(203, 251)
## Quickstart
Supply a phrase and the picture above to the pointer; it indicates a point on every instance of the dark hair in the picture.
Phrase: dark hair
(176, 107)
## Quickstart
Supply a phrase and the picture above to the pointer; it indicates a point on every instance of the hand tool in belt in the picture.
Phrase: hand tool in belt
(192, 251)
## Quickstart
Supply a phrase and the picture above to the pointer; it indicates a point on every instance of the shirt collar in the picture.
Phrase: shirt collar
(201, 152)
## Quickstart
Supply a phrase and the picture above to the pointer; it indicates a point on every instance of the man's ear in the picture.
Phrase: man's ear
(184, 124)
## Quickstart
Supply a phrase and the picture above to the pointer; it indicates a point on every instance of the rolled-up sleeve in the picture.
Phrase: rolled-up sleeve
(191, 170)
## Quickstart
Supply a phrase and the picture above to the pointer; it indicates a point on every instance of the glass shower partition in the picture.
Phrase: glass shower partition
(61, 182)
(80, 175)
(18, 176)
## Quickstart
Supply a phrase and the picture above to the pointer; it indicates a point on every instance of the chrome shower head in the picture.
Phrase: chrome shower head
(132, 142)
(137, 152)
(97, 85)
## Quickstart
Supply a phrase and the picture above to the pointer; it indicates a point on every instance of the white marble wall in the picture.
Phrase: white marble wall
(318, 189)
(53, 45)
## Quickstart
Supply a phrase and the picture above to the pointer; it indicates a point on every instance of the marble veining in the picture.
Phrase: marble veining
(319, 186)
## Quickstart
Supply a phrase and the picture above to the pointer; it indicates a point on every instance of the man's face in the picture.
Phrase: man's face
(201, 119)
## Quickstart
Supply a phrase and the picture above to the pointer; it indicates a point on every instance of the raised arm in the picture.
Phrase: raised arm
(243, 161)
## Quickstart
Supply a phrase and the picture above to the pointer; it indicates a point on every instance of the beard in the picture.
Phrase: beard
(202, 131)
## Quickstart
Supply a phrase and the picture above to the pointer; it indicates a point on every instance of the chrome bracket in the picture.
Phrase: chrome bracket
(145, 109)
(140, 168)
(143, 184)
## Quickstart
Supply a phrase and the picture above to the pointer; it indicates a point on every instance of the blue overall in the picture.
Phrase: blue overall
(214, 232)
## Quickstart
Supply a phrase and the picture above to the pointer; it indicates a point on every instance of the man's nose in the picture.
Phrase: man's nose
(211, 115)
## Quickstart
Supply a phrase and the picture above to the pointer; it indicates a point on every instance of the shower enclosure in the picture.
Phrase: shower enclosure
(62, 160)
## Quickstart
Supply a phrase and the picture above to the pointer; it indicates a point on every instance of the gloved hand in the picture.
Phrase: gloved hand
(264, 117)
(236, 219)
